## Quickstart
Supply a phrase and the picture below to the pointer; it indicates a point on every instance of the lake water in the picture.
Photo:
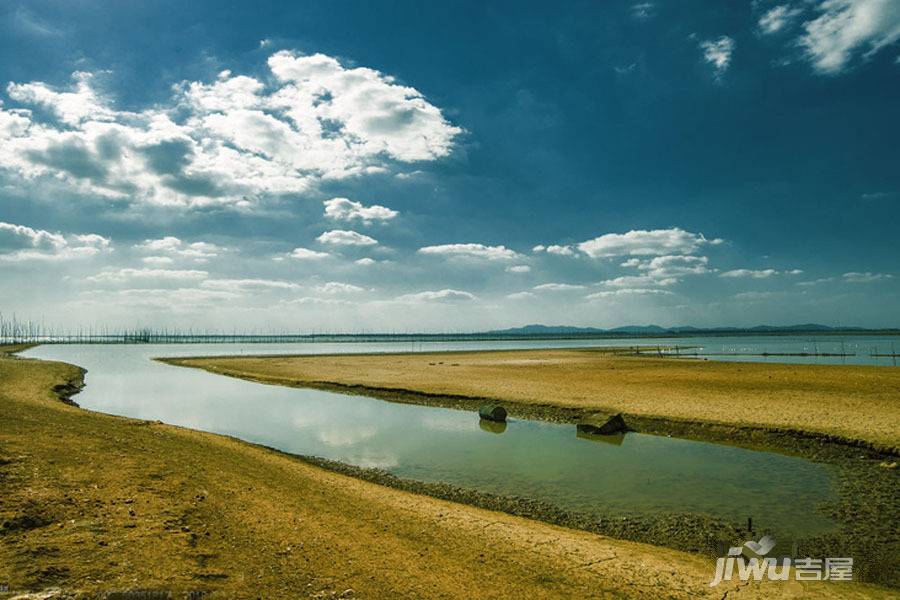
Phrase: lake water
(632, 475)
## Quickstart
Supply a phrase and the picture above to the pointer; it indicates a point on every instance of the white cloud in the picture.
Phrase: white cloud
(343, 237)
(472, 251)
(439, 295)
(866, 277)
(245, 285)
(754, 296)
(558, 287)
(178, 300)
(73, 107)
(518, 269)
(631, 281)
(198, 251)
(157, 260)
(336, 287)
(718, 53)
(232, 141)
(677, 265)
(645, 243)
(660, 271)
(819, 281)
(123, 275)
(777, 18)
(520, 296)
(749, 273)
(844, 27)
(21, 243)
(643, 10)
(344, 209)
(307, 254)
(628, 292)
(312, 300)
(365, 261)
(555, 249)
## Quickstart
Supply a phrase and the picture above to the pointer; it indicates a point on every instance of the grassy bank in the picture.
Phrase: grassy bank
(93, 503)
(855, 404)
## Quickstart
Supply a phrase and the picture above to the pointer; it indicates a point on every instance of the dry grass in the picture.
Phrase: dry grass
(853, 402)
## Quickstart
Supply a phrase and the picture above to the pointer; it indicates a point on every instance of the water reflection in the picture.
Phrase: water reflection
(492, 426)
(631, 474)
(614, 439)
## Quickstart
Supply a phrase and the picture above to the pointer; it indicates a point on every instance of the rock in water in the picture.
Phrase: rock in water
(601, 424)
(493, 412)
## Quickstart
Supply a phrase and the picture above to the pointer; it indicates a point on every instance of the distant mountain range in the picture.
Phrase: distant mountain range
(656, 330)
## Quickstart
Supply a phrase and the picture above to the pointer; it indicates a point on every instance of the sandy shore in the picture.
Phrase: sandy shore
(760, 406)
(855, 404)
(94, 503)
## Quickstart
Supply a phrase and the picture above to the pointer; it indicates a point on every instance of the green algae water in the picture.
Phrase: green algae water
(629, 475)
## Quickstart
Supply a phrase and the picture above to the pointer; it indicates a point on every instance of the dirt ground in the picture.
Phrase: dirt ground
(93, 504)
(857, 403)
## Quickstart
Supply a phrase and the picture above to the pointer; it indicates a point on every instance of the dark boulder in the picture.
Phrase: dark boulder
(493, 412)
(601, 424)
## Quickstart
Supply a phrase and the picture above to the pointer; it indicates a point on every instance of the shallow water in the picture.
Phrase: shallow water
(635, 474)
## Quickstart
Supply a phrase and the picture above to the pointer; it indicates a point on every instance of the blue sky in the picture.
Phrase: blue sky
(406, 165)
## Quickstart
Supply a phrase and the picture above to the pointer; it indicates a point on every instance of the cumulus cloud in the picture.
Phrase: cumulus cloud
(645, 243)
(518, 269)
(129, 274)
(867, 277)
(444, 295)
(344, 209)
(845, 27)
(758, 273)
(365, 261)
(749, 273)
(718, 53)
(660, 271)
(172, 246)
(20, 243)
(157, 260)
(777, 18)
(628, 281)
(555, 249)
(479, 251)
(307, 254)
(232, 141)
(343, 237)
